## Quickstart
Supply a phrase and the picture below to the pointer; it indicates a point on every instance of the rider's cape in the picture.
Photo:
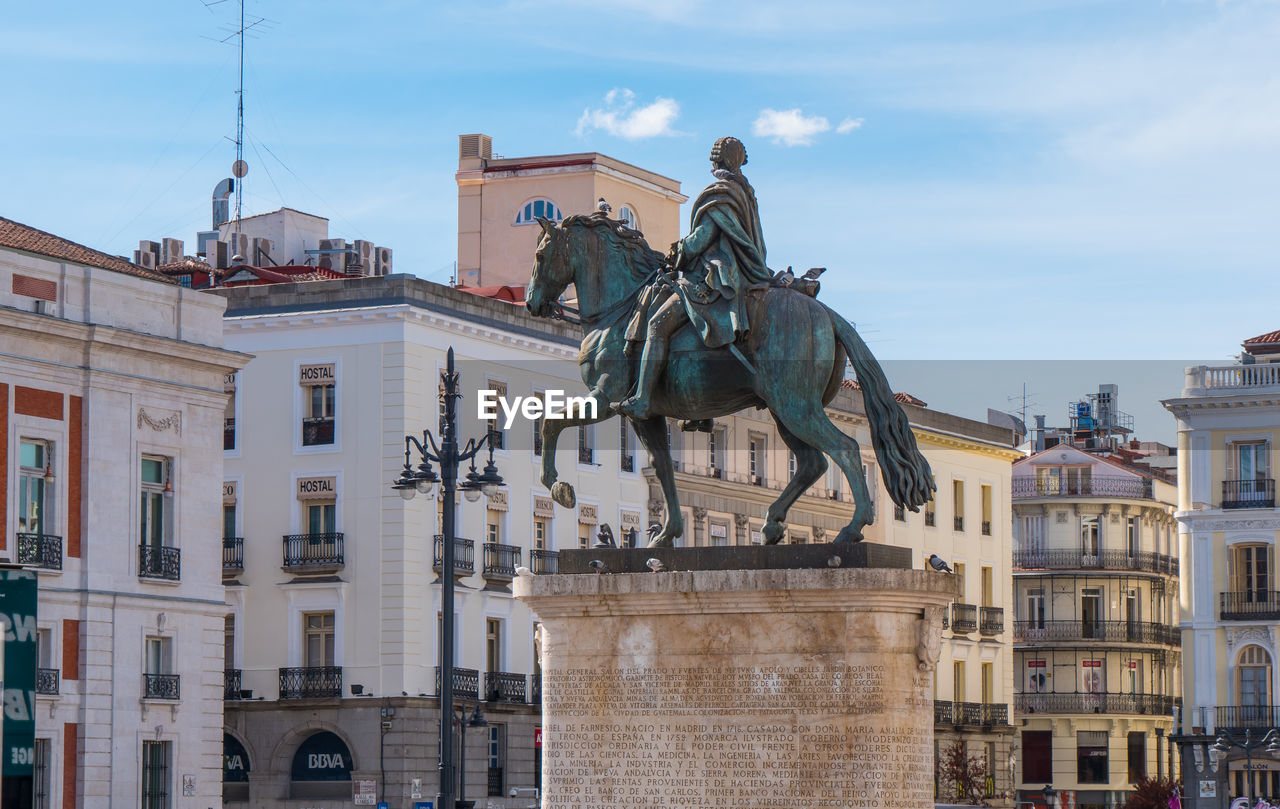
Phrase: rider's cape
(722, 257)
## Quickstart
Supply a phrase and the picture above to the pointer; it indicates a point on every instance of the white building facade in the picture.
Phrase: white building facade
(111, 406)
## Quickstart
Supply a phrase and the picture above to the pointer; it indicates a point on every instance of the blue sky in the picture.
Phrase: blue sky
(1067, 179)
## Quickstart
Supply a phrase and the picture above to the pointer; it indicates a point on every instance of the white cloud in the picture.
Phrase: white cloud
(621, 117)
(848, 125)
(790, 127)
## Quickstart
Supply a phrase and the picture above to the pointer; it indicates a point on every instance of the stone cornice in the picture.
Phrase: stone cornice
(1216, 522)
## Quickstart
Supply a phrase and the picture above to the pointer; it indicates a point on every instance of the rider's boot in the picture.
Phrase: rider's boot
(651, 363)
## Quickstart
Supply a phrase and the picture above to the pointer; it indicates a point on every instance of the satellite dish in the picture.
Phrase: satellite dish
(239, 168)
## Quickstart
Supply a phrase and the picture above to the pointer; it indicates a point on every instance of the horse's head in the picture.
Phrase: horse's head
(552, 270)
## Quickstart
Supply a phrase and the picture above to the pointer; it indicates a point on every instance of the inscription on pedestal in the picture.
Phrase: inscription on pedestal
(729, 737)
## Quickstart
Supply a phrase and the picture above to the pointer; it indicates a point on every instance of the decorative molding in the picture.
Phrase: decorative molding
(1238, 525)
(1239, 636)
(699, 514)
(741, 520)
(656, 509)
(819, 534)
(171, 422)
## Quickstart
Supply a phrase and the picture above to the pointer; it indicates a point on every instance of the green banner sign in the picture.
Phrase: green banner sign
(18, 623)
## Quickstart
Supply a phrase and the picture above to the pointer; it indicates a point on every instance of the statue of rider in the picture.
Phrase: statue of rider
(722, 257)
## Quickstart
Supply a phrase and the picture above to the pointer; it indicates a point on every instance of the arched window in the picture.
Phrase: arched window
(1253, 680)
(235, 769)
(531, 210)
(321, 768)
(627, 216)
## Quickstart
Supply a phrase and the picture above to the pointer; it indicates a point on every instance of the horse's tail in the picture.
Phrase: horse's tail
(907, 476)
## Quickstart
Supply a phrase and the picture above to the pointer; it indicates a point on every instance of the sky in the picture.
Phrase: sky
(987, 182)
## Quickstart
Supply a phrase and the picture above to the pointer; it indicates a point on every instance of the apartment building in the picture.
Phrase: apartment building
(111, 409)
(334, 580)
(1228, 425)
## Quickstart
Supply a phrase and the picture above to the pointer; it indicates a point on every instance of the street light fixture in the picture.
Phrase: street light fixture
(1226, 741)
(422, 480)
(476, 720)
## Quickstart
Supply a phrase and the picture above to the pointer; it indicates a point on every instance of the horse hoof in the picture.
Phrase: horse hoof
(562, 493)
(773, 532)
(849, 535)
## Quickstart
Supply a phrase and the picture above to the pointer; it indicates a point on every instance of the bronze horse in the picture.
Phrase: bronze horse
(798, 348)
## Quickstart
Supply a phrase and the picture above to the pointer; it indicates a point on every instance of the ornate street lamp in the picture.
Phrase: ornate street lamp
(1226, 741)
(422, 480)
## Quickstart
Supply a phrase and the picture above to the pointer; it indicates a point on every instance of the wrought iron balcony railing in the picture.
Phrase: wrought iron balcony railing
(1249, 493)
(313, 550)
(232, 554)
(1082, 703)
(160, 686)
(1249, 605)
(974, 714)
(964, 618)
(1240, 717)
(1067, 559)
(317, 431)
(503, 686)
(464, 556)
(991, 620)
(156, 562)
(1136, 488)
(311, 682)
(500, 561)
(543, 561)
(48, 681)
(466, 682)
(40, 550)
(1094, 631)
(231, 683)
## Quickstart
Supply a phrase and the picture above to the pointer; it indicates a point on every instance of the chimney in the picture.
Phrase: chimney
(221, 205)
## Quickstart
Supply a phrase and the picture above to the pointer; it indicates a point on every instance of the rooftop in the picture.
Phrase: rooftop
(17, 236)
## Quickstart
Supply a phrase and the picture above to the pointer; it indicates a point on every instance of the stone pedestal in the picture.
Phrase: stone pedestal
(725, 689)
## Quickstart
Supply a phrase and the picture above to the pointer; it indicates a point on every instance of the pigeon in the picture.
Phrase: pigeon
(834, 561)
(603, 207)
(598, 566)
(937, 564)
(655, 564)
(784, 278)
(604, 537)
(814, 272)
(521, 570)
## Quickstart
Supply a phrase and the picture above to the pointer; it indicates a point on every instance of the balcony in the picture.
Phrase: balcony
(1205, 380)
(991, 621)
(156, 562)
(1134, 488)
(964, 618)
(40, 550)
(502, 686)
(500, 561)
(1249, 493)
(229, 434)
(464, 556)
(1243, 717)
(586, 456)
(311, 682)
(48, 681)
(973, 714)
(1250, 605)
(232, 555)
(542, 561)
(1108, 703)
(231, 684)
(160, 686)
(466, 682)
(313, 550)
(1095, 631)
(317, 432)
(1143, 561)
(628, 463)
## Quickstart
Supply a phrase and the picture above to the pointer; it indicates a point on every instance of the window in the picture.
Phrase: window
(988, 683)
(44, 648)
(493, 526)
(1032, 540)
(1090, 536)
(1037, 679)
(1037, 756)
(988, 587)
(35, 487)
(957, 503)
(1132, 536)
(1247, 570)
(899, 513)
(317, 628)
(539, 534)
(497, 754)
(716, 443)
(155, 519)
(229, 416)
(627, 216)
(1091, 757)
(229, 642)
(756, 468)
(322, 518)
(493, 644)
(536, 427)
(791, 464)
(958, 567)
(155, 775)
(957, 681)
(930, 513)
(1035, 608)
(1253, 675)
(159, 660)
(1091, 612)
(626, 455)
(675, 440)
(531, 210)
(584, 536)
(986, 510)
(493, 427)
(719, 532)
(320, 392)
(41, 781)
(586, 445)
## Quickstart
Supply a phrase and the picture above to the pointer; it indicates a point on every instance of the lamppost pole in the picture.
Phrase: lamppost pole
(423, 479)
(1226, 741)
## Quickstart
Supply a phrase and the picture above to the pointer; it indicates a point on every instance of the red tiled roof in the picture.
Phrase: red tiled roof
(186, 265)
(18, 236)
(1269, 337)
(900, 398)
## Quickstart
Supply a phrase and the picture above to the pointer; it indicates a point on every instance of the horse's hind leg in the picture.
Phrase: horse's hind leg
(653, 434)
(563, 492)
(810, 464)
(809, 422)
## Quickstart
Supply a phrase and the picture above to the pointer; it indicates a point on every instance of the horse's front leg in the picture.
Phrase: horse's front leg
(653, 434)
(563, 492)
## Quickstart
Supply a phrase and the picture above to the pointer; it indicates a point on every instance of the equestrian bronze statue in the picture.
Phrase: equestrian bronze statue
(709, 330)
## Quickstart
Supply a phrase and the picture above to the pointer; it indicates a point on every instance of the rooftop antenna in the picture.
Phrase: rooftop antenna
(1024, 401)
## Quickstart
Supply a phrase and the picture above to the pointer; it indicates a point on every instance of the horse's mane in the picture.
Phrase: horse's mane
(629, 240)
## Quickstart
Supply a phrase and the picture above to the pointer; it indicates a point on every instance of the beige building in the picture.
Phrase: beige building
(500, 200)
(1097, 662)
(727, 478)
(1228, 430)
(111, 408)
